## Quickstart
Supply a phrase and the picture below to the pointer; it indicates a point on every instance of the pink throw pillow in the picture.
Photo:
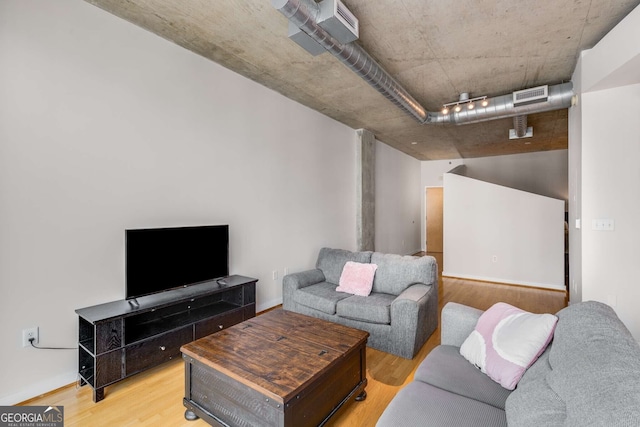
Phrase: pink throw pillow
(506, 341)
(357, 278)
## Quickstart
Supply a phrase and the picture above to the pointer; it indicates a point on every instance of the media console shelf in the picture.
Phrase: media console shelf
(119, 339)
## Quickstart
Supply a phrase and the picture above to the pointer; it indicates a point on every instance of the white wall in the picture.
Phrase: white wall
(398, 201)
(432, 171)
(575, 191)
(499, 234)
(542, 173)
(105, 126)
(611, 143)
(605, 153)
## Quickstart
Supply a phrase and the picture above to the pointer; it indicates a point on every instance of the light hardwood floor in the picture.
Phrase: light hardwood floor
(154, 398)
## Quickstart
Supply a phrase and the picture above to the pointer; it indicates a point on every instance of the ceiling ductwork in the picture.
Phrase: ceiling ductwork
(520, 125)
(520, 129)
(339, 21)
(501, 107)
(334, 17)
(304, 15)
(531, 96)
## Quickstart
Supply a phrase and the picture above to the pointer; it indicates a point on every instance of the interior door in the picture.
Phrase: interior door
(434, 220)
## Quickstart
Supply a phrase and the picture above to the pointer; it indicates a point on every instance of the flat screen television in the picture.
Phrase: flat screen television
(159, 259)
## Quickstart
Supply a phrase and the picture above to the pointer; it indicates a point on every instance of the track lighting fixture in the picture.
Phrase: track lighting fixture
(464, 101)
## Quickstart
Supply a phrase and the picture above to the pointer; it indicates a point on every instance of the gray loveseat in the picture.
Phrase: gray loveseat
(588, 376)
(400, 313)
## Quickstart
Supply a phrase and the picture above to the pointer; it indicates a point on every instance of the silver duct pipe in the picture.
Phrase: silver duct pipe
(303, 13)
(502, 107)
(520, 125)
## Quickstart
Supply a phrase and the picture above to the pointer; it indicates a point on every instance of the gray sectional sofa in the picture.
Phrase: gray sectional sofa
(588, 376)
(400, 313)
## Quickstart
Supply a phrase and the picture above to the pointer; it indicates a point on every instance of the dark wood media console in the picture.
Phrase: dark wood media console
(119, 339)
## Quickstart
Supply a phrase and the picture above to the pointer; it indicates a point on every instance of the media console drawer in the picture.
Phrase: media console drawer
(218, 323)
(156, 350)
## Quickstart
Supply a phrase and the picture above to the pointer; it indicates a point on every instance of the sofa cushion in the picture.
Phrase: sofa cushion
(506, 341)
(421, 404)
(357, 278)
(445, 368)
(376, 308)
(593, 376)
(332, 261)
(396, 273)
(321, 296)
(535, 403)
(593, 351)
(538, 369)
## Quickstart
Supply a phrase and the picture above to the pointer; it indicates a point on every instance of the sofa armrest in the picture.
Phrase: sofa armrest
(412, 294)
(407, 307)
(414, 316)
(292, 282)
(303, 279)
(458, 321)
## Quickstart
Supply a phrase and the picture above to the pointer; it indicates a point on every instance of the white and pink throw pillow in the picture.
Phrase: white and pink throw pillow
(357, 278)
(506, 341)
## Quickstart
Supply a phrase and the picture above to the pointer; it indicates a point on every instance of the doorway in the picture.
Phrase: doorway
(434, 221)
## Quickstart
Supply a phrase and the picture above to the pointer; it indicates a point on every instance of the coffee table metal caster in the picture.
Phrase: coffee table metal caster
(189, 415)
(362, 396)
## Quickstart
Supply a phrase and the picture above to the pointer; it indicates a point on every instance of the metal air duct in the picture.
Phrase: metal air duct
(304, 14)
(520, 125)
(520, 129)
(502, 107)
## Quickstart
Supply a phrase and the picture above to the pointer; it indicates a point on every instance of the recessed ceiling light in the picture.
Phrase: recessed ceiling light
(414, 143)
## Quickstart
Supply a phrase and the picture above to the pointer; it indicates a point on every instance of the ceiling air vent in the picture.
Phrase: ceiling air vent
(338, 21)
(304, 40)
(531, 96)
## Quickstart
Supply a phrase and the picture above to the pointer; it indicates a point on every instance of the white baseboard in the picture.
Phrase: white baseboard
(265, 305)
(33, 390)
(506, 282)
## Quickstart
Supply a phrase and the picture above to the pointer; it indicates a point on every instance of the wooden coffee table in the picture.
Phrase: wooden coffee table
(278, 369)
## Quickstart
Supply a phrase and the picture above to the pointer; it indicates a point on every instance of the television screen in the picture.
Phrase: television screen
(157, 259)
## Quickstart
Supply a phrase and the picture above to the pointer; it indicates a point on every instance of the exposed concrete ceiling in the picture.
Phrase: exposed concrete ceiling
(435, 49)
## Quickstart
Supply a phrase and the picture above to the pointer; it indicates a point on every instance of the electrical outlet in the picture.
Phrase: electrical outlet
(29, 333)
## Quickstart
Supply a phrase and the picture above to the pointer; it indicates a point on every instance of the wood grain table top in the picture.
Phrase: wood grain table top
(277, 353)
